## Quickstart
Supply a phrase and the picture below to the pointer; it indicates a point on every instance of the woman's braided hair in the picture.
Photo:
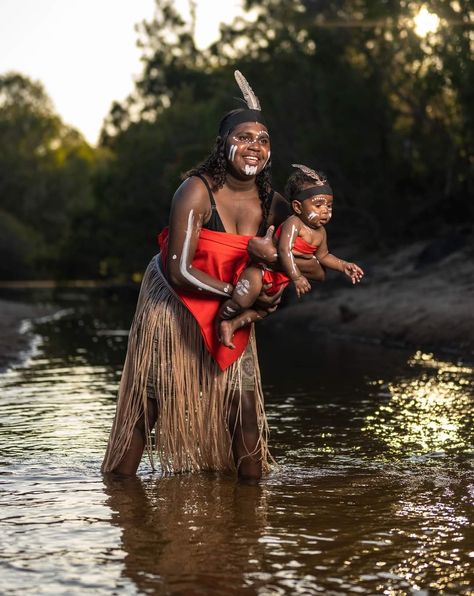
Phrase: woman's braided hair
(215, 166)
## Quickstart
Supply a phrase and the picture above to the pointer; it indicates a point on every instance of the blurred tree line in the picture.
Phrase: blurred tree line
(346, 86)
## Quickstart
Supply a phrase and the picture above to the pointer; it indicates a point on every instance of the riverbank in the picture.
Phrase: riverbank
(421, 296)
(16, 335)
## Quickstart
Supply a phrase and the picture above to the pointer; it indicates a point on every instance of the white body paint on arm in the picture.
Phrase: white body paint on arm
(184, 258)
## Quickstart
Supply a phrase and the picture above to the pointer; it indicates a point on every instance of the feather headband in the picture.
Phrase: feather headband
(321, 184)
(253, 113)
(311, 173)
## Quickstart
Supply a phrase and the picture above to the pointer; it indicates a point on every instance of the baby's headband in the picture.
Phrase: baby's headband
(321, 187)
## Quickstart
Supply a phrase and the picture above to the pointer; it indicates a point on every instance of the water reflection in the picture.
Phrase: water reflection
(195, 534)
(373, 493)
(428, 411)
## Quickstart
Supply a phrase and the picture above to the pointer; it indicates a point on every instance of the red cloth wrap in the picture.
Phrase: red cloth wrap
(278, 278)
(220, 255)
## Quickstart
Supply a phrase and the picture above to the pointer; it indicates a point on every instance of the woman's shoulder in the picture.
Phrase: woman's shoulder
(192, 190)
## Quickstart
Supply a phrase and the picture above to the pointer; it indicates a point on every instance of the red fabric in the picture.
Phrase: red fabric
(278, 278)
(300, 245)
(220, 255)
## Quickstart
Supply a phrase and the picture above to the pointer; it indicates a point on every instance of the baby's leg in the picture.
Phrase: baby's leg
(245, 293)
(228, 327)
(236, 311)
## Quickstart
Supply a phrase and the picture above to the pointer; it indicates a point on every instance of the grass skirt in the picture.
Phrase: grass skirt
(167, 361)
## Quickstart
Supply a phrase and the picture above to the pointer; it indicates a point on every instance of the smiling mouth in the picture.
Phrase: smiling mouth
(251, 160)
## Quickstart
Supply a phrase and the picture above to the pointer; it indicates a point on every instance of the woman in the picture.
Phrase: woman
(205, 400)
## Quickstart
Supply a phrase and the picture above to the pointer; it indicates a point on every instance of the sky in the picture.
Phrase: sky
(84, 51)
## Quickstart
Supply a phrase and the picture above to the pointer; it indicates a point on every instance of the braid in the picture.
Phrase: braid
(263, 181)
(214, 166)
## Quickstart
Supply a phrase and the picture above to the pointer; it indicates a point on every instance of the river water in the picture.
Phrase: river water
(372, 494)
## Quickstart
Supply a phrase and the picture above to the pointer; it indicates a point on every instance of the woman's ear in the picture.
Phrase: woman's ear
(296, 206)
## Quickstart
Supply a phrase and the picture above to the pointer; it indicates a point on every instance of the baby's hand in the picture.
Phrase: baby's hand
(353, 271)
(302, 285)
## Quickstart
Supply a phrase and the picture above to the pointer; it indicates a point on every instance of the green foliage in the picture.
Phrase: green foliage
(346, 86)
(45, 170)
(20, 246)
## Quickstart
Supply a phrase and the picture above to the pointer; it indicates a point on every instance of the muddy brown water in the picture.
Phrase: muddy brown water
(372, 494)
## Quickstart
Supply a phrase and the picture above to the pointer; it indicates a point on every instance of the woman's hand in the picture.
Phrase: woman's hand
(268, 303)
(263, 249)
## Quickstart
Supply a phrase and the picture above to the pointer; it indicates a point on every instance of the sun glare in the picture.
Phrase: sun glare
(426, 22)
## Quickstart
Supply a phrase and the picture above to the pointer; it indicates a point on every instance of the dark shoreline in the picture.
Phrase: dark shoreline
(16, 333)
(402, 302)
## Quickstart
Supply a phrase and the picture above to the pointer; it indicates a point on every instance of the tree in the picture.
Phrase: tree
(45, 171)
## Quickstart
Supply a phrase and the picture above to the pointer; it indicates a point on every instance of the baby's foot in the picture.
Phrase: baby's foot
(226, 333)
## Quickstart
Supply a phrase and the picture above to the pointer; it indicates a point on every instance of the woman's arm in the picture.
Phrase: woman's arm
(189, 209)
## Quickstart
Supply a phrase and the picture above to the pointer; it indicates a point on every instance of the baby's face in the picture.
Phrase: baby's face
(316, 211)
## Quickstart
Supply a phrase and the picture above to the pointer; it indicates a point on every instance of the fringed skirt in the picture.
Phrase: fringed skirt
(167, 361)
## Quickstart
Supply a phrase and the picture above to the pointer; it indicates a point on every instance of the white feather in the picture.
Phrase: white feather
(247, 91)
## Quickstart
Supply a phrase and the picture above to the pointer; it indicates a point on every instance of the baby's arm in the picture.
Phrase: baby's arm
(289, 232)
(353, 271)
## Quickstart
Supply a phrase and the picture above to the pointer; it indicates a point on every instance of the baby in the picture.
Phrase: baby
(302, 234)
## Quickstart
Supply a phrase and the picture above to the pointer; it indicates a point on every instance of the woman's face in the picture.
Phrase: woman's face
(248, 148)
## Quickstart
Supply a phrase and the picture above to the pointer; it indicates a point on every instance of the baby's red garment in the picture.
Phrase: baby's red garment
(220, 255)
(278, 279)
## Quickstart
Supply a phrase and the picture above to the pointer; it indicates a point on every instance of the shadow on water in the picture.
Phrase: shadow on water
(372, 493)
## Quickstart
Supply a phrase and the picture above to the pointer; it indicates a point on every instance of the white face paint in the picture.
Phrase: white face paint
(312, 215)
(184, 257)
(266, 161)
(174, 257)
(232, 150)
(250, 170)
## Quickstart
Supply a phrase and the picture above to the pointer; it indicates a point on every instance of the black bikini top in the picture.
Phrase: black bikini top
(215, 222)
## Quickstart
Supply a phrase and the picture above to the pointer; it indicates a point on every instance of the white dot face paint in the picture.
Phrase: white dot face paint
(174, 257)
(227, 289)
(184, 257)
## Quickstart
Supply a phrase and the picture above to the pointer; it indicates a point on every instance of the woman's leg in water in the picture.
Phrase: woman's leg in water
(131, 460)
(245, 433)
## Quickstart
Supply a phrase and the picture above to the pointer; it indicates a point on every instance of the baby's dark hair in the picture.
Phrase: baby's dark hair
(298, 181)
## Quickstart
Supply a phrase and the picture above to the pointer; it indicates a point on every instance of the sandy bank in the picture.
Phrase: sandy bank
(420, 296)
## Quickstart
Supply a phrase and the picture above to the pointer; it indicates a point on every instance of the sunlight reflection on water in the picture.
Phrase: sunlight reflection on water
(373, 492)
(428, 413)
